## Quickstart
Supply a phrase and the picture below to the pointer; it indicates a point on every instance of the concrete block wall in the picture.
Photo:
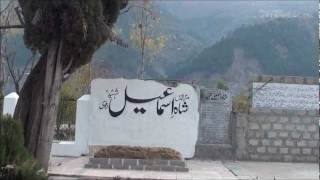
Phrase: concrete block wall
(277, 135)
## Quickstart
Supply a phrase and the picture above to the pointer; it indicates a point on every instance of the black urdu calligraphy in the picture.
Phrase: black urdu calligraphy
(178, 105)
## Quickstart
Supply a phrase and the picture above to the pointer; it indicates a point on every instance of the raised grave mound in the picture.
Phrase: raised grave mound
(128, 152)
(138, 158)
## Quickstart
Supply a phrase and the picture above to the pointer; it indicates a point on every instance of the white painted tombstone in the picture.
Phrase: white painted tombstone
(9, 103)
(144, 113)
(285, 96)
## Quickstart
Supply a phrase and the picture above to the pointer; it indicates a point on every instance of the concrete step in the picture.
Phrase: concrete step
(138, 164)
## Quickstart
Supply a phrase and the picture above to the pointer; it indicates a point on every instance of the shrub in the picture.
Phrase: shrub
(222, 85)
(15, 161)
(241, 103)
(11, 141)
(65, 125)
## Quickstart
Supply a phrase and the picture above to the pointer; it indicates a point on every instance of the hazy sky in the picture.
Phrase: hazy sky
(197, 8)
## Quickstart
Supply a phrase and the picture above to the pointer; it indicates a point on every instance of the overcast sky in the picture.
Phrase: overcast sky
(198, 8)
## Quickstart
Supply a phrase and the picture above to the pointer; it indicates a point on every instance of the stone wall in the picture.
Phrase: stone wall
(277, 135)
(215, 110)
(286, 79)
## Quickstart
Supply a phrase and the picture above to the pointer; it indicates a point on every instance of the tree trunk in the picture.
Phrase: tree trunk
(1, 63)
(142, 65)
(37, 105)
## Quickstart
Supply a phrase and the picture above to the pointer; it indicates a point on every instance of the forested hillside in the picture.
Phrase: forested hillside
(229, 41)
(285, 46)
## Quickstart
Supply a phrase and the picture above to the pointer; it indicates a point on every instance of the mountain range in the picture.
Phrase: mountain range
(284, 46)
(213, 40)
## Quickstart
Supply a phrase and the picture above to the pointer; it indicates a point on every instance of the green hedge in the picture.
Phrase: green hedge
(15, 161)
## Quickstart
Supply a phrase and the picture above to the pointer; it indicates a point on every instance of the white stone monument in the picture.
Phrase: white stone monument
(144, 113)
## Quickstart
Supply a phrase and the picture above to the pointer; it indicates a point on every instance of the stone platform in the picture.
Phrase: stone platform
(73, 167)
(137, 164)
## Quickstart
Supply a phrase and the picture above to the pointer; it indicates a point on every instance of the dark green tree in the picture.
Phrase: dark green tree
(66, 33)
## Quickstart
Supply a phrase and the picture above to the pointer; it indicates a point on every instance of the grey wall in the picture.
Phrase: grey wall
(215, 109)
(214, 137)
(277, 135)
(263, 134)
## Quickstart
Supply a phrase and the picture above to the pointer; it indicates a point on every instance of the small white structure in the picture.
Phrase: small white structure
(80, 145)
(9, 103)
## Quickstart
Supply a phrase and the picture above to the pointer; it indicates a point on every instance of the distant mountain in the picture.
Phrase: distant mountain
(211, 40)
(180, 45)
(284, 46)
(204, 24)
(213, 19)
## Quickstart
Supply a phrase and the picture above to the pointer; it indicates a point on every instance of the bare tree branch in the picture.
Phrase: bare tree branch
(18, 12)
(16, 72)
(7, 7)
(127, 10)
(7, 14)
(18, 26)
(65, 70)
(112, 35)
(9, 59)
